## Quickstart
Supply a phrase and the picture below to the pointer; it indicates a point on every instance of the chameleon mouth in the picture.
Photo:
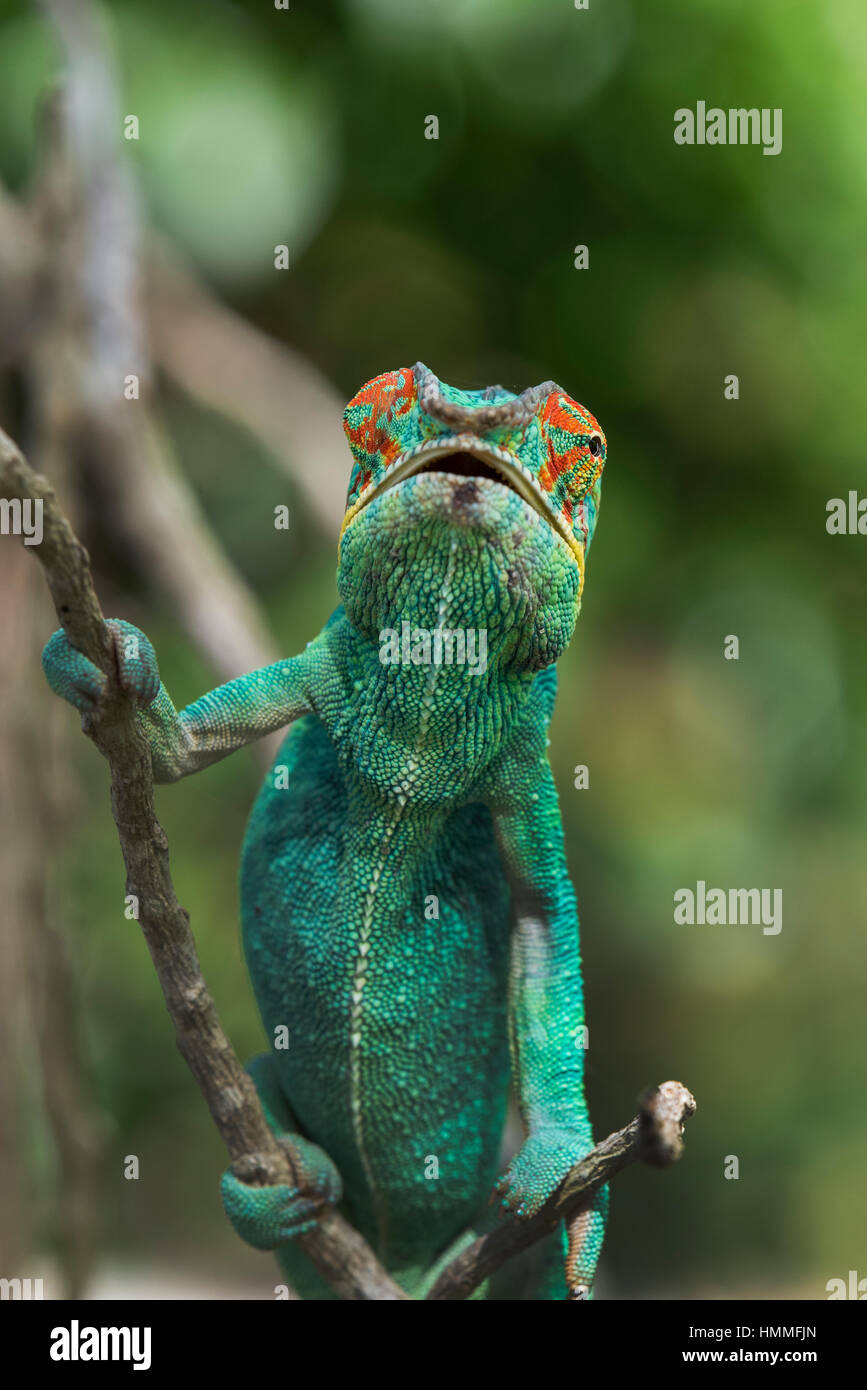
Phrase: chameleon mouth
(465, 455)
(466, 465)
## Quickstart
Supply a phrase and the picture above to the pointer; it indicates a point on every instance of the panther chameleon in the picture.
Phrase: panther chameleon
(406, 906)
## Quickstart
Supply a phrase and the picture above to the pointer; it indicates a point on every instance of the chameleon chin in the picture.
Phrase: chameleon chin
(406, 907)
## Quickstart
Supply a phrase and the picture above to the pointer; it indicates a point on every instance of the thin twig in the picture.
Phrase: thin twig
(654, 1136)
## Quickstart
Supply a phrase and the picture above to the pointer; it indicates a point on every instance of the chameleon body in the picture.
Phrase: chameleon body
(406, 906)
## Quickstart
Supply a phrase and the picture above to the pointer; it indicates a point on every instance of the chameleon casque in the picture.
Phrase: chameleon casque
(406, 907)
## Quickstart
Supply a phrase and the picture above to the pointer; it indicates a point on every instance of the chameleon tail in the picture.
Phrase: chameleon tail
(584, 1242)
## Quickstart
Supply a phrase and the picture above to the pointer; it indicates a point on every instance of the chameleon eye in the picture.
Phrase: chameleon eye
(595, 445)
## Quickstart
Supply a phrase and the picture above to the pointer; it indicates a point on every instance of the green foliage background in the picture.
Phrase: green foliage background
(306, 127)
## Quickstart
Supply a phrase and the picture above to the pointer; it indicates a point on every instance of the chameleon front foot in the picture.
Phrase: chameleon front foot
(76, 679)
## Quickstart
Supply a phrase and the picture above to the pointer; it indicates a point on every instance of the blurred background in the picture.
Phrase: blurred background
(146, 248)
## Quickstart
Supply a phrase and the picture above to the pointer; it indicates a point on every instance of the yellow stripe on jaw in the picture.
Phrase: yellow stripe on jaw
(405, 465)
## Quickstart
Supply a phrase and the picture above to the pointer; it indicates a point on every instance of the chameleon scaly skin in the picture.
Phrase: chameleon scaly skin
(407, 911)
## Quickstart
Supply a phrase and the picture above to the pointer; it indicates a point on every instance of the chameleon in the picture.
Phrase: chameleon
(407, 915)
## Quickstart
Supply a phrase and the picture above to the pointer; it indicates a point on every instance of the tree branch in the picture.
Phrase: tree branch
(335, 1248)
(655, 1136)
(230, 366)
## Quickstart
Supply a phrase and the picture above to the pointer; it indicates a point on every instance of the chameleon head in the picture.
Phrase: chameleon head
(503, 483)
